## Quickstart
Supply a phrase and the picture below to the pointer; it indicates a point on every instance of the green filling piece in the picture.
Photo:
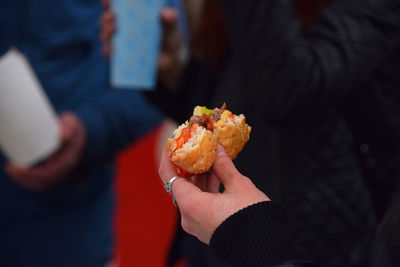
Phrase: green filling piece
(199, 111)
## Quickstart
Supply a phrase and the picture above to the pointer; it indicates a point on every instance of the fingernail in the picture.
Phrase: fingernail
(221, 151)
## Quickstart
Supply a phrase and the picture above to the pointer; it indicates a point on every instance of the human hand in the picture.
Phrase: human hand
(169, 64)
(202, 208)
(59, 165)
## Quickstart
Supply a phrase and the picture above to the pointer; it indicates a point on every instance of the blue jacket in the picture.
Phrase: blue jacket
(70, 224)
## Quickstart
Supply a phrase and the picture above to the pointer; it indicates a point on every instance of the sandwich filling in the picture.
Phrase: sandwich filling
(203, 119)
(207, 118)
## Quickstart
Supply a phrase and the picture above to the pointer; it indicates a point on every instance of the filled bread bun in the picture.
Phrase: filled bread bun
(193, 147)
(232, 132)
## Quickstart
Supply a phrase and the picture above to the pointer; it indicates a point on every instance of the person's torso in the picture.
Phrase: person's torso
(71, 223)
(60, 39)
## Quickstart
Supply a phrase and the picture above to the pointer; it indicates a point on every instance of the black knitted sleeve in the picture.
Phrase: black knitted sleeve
(254, 236)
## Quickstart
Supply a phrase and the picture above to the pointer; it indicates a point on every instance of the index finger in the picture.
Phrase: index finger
(166, 170)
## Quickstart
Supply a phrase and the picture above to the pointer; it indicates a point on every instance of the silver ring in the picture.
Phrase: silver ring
(174, 201)
(168, 185)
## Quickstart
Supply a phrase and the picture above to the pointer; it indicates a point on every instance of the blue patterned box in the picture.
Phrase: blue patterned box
(136, 43)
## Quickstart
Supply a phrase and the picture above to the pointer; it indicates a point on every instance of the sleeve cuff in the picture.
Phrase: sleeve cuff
(253, 236)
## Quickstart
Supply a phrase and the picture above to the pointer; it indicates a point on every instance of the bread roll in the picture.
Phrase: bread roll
(194, 146)
(197, 154)
(232, 132)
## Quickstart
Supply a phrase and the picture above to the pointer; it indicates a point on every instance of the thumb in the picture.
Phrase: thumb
(67, 126)
(224, 168)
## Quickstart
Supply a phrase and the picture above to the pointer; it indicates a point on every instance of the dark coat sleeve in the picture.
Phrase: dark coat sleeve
(255, 236)
(114, 120)
(292, 70)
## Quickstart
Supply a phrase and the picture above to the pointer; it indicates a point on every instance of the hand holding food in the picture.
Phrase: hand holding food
(61, 164)
(203, 208)
(193, 147)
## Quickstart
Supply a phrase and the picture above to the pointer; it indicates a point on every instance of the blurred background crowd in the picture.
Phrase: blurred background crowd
(318, 81)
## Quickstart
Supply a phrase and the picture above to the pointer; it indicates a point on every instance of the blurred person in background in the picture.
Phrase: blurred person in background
(323, 104)
(59, 212)
(332, 89)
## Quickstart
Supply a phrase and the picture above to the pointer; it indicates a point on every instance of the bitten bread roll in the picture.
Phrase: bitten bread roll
(192, 149)
(232, 132)
(194, 146)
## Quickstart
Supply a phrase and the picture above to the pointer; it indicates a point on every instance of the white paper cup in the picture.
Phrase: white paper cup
(29, 129)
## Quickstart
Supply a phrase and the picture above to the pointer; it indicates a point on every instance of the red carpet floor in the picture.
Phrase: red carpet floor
(146, 219)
